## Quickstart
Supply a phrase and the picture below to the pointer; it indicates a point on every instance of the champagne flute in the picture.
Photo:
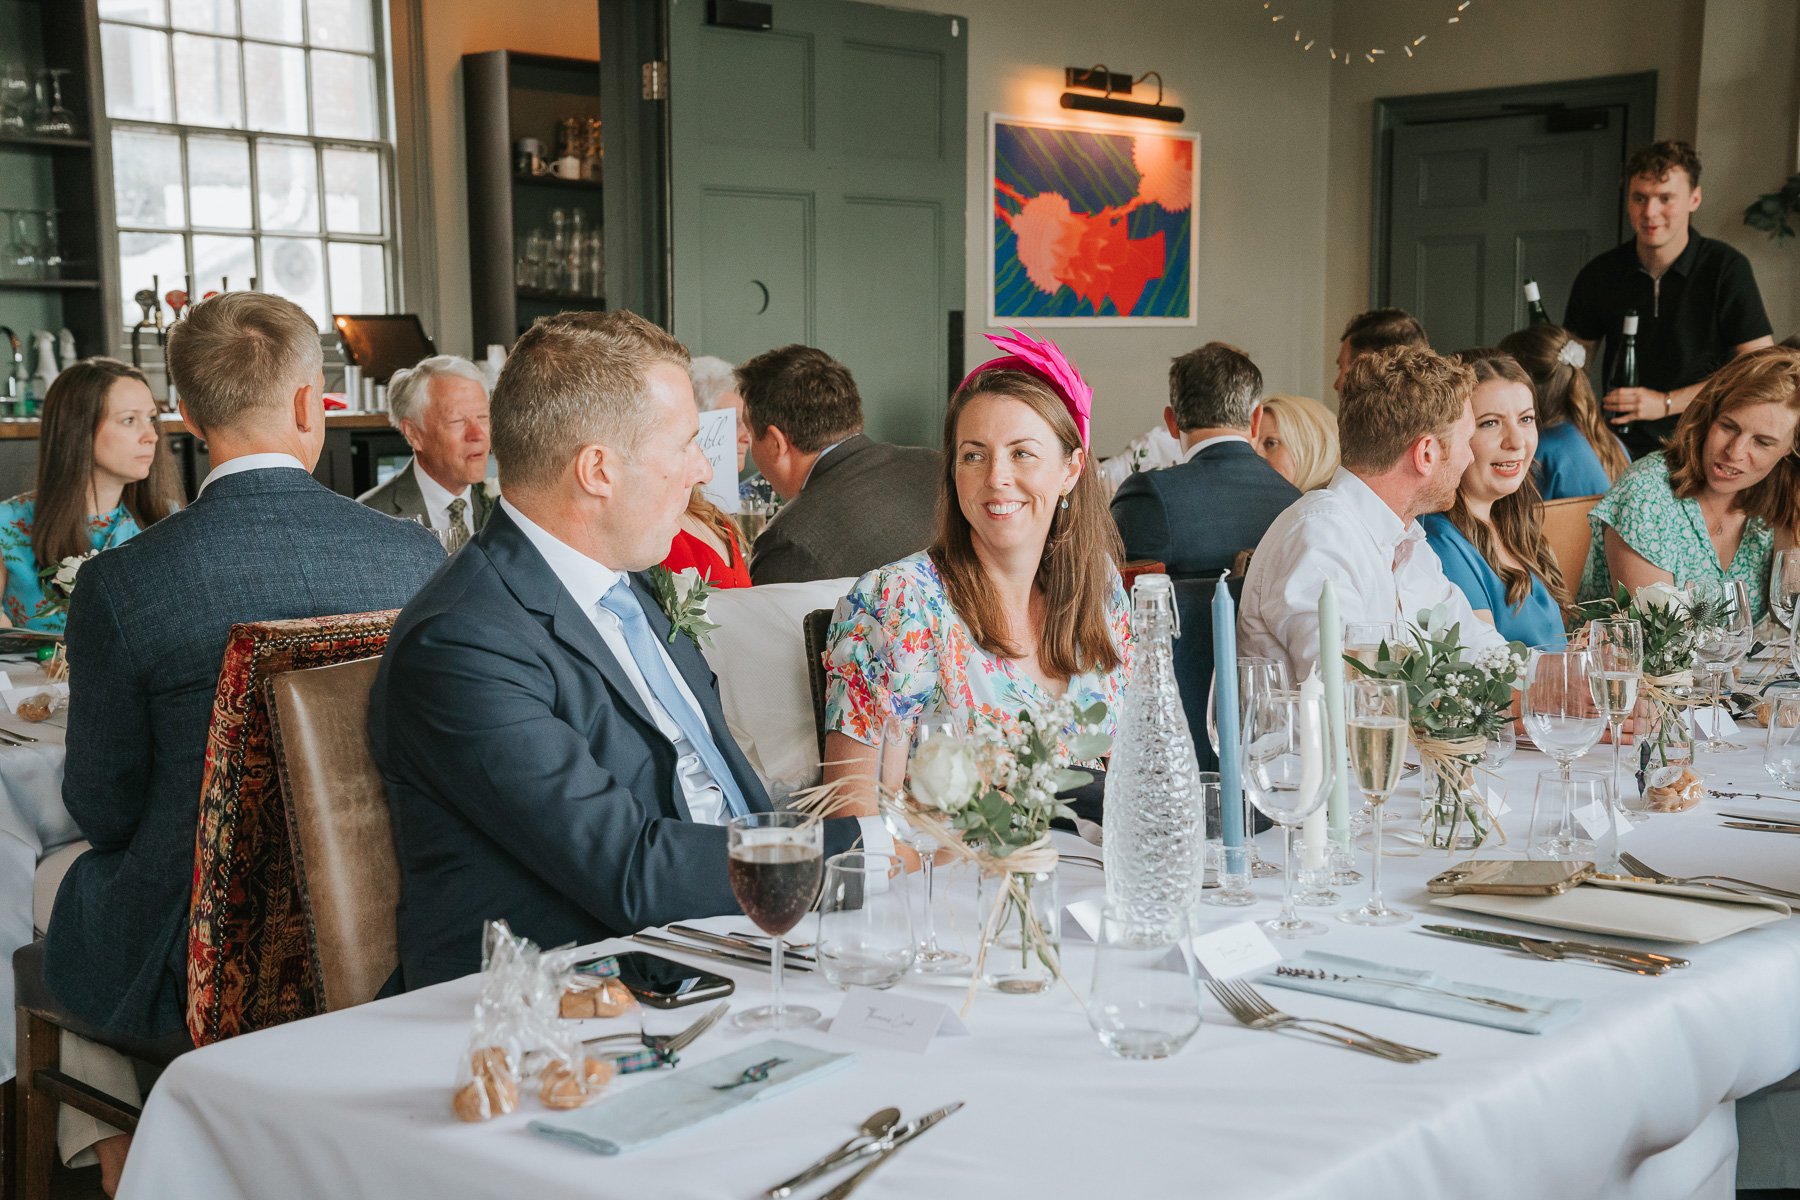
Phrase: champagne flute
(1722, 644)
(1363, 640)
(1560, 711)
(1256, 676)
(1377, 720)
(1618, 648)
(1286, 776)
(774, 867)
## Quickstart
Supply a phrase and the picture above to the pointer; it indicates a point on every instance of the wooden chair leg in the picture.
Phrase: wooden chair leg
(39, 1048)
(9, 1136)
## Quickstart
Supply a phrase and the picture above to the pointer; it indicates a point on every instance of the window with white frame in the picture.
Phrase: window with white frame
(250, 141)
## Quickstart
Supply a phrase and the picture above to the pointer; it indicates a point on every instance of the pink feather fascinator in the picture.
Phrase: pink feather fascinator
(1020, 352)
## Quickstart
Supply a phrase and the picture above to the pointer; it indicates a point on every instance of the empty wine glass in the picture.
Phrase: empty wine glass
(1559, 708)
(1781, 753)
(1286, 776)
(1784, 585)
(15, 98)
(1256, 676)
(54, 120)
(1377, 720)
(774, 865)
(1722, 644)
(931, 958)
(1618, 648)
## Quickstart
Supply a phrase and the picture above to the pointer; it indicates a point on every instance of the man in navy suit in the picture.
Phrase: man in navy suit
(262, 541)
(1221, 498)
(552, 755)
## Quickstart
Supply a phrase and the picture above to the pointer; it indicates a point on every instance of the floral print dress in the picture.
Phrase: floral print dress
(25, 602)
(1671, 534)
(897, 648)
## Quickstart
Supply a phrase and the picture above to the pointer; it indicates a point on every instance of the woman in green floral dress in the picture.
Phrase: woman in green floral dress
(1720, 499)
(102, 476)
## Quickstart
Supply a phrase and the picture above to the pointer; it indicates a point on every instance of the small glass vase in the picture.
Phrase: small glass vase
(1021, 928)
(1666, 745)
(1452, 815)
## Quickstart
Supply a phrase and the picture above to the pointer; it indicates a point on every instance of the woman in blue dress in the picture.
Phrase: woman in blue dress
(102, 476)
(1491, 542)
(1577, 454)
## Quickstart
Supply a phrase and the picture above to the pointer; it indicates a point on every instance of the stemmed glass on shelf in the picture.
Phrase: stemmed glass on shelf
(1256, 676)
(1286, 775)
(898, 738)
(1722, 644)
(1377, 719)
(53, 119)
(774, 867)
(1617, 644)
(1565, 721)
(15, 97)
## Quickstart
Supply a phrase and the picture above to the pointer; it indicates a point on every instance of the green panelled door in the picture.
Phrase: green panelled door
(817, 190)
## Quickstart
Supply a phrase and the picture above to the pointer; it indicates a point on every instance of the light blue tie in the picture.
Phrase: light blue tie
(623, 604)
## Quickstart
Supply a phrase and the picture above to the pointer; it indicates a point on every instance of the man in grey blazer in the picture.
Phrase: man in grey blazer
(1222, 497)
(262, 541)
(853, 504)
(441, 407)
(552, 755)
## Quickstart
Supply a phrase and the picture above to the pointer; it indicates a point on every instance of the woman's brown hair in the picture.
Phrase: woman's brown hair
(74, 408)
(1080, 556)
(1563, 392)
(1767, 376)
(715, 519)
(1514, 522)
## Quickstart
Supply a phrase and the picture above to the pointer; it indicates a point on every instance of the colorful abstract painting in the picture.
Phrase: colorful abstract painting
(1092, 225)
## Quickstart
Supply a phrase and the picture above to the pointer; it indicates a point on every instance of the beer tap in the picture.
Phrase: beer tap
(146, 301)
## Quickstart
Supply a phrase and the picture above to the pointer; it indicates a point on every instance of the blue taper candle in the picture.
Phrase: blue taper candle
(1225, 715)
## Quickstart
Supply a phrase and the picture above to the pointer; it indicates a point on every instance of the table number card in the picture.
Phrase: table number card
(718, 441)
(891, 1021)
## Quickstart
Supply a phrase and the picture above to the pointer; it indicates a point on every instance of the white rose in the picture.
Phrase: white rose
(686, 581)
(1663, 596)
(944, 775)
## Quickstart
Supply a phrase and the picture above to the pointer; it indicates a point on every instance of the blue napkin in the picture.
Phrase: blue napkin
(691, 1095)
(1546, 1012)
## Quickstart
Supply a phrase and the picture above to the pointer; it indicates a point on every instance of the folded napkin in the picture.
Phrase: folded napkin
(1546, 1012)
(689, 1096)
(1654, 912)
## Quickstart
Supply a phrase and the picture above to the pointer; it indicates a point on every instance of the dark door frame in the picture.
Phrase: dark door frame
(634, 135)
(1635, 94)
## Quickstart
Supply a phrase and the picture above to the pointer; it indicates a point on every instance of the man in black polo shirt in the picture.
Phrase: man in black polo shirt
(1695, 298)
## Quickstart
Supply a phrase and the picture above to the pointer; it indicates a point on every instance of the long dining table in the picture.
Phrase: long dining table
(1632, 1098)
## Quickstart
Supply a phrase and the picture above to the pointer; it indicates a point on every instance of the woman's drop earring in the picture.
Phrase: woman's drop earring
(1065, 502)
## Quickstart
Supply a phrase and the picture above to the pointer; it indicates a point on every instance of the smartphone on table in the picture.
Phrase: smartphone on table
(664, 983)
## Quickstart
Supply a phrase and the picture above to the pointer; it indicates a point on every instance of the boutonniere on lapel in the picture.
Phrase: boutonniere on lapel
(683, 596)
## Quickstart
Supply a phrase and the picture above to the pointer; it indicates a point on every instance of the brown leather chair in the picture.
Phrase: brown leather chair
(338, 824)
(813, 627)
(1566, 529)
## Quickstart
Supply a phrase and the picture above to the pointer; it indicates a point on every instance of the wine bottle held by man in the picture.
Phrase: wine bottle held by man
(1535, 312)
(1625, 373)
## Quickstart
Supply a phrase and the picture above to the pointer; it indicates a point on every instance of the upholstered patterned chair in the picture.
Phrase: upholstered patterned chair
(249, 960)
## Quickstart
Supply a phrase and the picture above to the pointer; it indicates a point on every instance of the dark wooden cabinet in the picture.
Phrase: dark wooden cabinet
(68, 175)
(508, 96)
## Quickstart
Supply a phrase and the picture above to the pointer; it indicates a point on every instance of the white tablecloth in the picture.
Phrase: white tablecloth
(1634, 1098)
(32, 821)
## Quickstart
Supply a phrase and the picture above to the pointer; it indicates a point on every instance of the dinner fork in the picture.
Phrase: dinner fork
(1642, 869)
(1247, 1007)
(674, 1043)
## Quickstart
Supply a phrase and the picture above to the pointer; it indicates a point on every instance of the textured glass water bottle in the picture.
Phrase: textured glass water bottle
(1155, 842)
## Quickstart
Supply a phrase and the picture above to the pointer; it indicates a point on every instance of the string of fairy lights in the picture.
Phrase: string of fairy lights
(1374, 54)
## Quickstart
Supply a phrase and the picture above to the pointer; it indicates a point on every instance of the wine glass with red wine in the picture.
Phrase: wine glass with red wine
(775, 864)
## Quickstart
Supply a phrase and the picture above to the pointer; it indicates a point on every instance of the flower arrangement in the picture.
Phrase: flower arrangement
(1459, 699)
(682, 595)
(58, 581)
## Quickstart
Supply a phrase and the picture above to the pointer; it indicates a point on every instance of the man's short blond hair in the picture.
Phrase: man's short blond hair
(1394, 397)
(240, 356)
(574, 380)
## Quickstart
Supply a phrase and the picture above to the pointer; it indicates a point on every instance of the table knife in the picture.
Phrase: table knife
(1637, 960)
(879, 1152)
(727, 942)
(731, 956)
(1761, 827)
(1756, 820)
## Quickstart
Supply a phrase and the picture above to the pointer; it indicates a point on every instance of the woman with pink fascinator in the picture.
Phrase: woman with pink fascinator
(1018, 600)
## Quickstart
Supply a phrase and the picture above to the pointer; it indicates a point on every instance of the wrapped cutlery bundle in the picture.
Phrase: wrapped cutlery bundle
(1636, 908)
(1421, 992)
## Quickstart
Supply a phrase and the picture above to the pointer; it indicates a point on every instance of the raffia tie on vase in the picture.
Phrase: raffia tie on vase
(1454, 760)
(1659, 689)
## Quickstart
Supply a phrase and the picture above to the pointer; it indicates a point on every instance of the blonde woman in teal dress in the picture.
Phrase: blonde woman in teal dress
(1720, 499)
(102, 476)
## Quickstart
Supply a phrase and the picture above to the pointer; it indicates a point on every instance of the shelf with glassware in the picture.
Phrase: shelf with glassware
(535, 189)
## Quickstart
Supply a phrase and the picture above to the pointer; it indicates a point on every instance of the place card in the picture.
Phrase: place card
(1711, 722)
(1592, 819)
(1497, 803)
(892, 1021)
(1237, 949)
(1081, 921)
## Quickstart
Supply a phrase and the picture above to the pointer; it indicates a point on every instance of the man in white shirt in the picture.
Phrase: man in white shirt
(1195, 517)
(554, 749)
(441, 407)
(1404, 425)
